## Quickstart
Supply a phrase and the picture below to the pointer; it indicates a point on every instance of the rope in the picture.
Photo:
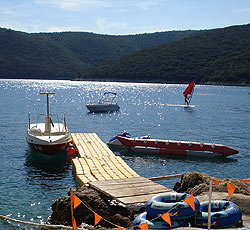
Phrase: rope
(36, 224)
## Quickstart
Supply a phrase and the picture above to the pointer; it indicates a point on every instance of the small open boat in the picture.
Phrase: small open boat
(105, 104)
(180, 148)
(48, 137)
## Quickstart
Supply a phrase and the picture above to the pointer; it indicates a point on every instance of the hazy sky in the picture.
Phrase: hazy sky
(121, 16)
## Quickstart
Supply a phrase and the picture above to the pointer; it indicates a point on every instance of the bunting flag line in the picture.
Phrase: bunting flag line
(190, 201)
(119, 227)
(217, 182)
(230, 190)
(143, 226)
(97, 218)
(74, 225)
(166, 217)
(246, 181)
(76, 201)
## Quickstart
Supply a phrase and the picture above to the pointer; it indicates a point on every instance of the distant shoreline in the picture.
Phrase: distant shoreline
(168, 82)
(135, 81)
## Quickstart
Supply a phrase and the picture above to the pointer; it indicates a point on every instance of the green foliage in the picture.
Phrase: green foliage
(214, 56)
(62, 55)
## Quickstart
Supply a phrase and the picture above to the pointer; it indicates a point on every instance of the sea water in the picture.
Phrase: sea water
(31, 182)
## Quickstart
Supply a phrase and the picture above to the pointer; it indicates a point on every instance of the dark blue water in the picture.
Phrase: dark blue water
(31, 182)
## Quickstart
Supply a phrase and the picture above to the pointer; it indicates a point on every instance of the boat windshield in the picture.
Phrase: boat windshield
(107, 97)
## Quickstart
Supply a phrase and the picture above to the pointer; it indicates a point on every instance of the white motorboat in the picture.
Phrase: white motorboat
(48, 137)
(105, 104)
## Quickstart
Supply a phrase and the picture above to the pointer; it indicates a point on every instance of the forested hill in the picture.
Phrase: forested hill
(62, 55)
(214, 56)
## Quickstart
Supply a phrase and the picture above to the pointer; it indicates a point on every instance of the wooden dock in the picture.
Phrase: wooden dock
(97, 166)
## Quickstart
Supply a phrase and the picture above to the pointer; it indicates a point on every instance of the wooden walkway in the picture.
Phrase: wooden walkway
(97, 166)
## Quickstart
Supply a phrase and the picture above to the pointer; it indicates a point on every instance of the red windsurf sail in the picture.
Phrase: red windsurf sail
(189, 91)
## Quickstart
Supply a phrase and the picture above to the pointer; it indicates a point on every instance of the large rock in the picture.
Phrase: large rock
(92, 201)
(197, 183)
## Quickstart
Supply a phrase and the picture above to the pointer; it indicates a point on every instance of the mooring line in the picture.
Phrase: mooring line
(37, 224)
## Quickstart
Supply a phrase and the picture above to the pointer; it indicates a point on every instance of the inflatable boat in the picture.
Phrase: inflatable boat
(180, 148)
(224, 214)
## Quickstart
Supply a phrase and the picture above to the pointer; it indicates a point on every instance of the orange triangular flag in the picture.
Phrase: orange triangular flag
(190, 201)
(230, 190)
(216, 182)
(97, 218)
(119, 227)
(246, 181)
(76, 201)
(143, 226)
(74, 224)
(166, 217)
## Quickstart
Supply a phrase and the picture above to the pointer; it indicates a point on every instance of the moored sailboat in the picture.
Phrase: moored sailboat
(48, 137)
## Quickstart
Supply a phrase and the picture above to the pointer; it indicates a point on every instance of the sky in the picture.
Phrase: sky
(121, 17)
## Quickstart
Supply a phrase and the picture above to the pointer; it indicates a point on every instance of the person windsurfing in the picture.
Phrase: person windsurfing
(188, 93)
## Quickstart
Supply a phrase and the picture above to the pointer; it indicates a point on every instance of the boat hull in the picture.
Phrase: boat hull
(48, 143)
(98, 108)
(180, 148)
(175, 152)
(48, 149)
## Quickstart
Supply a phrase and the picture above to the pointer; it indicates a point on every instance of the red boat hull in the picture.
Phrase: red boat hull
(177, 147)
(48, 149)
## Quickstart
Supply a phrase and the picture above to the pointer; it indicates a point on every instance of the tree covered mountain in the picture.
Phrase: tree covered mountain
(62, 55)
(214, 56)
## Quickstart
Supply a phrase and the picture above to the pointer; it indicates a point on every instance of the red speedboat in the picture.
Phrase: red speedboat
(181, 148)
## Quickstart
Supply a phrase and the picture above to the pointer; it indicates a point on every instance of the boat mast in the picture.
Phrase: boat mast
(47, 118)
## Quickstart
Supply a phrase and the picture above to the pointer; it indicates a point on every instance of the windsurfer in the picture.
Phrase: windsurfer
(189, 92)
(187, 99)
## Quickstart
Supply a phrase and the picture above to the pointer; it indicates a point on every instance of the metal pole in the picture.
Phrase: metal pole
(209, 206)
(47, 105)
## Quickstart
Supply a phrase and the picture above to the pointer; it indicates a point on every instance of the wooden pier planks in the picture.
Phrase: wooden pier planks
(98, 167)
(96, 161)
(130, 191)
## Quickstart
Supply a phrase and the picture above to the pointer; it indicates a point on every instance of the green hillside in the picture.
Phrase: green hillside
(62, 55)
(25, 55)
(214, 56)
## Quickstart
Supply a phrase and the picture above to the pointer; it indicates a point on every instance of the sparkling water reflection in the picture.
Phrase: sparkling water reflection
(31, 182)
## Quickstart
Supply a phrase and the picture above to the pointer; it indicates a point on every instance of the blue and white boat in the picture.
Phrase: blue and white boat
(105, 104)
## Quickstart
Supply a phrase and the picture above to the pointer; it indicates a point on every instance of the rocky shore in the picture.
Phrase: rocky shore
(113, 212)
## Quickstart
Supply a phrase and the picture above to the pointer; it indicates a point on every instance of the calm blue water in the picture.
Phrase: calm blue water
(31, 182)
